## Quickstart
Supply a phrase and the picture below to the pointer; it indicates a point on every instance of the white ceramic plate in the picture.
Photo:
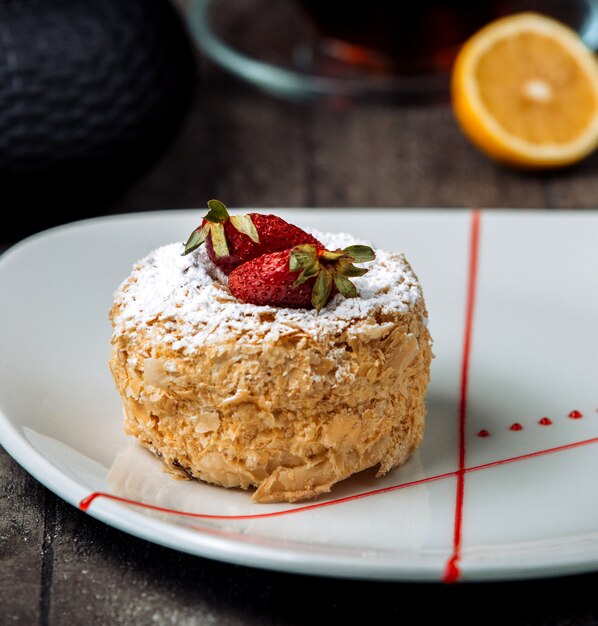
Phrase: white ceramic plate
(513, 301)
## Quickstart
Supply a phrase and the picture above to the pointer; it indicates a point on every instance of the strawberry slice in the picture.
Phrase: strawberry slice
(303, 277)
(234, 239)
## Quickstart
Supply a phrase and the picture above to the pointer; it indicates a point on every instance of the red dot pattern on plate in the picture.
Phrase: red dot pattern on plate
(544, 421)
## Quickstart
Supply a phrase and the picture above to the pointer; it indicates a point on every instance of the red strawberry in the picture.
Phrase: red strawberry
(232, 240)
(303, 277)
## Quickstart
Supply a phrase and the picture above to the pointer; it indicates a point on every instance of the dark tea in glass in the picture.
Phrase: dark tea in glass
(419, 36)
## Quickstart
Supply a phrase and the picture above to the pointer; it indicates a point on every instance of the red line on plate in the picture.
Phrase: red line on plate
(530, 455)
(86, 502)
(452, 571)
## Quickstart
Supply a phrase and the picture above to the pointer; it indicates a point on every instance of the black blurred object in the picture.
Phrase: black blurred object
(91, 93)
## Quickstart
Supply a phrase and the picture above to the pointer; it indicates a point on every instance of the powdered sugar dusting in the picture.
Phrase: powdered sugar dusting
(190, 297)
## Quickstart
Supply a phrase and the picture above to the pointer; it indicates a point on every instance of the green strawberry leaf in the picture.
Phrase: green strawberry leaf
(306, 274)
(244, 224)
(328, 255)
(360, 254)
(344, 285)
(322, 289)
(350, 270)
(219, 240)
(197, 237)
(302, 257)
(217, 213)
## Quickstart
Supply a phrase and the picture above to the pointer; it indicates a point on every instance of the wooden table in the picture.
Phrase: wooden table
(60, 566)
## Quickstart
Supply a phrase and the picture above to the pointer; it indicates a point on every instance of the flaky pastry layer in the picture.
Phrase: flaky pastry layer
(291, 414)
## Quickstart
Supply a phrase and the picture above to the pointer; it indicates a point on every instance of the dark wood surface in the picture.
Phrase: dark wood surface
(59, 566)
(253, 150)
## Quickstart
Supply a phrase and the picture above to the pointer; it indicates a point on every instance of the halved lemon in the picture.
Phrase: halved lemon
(525, 91)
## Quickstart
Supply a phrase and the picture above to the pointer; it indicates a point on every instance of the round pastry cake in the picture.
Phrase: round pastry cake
(287, 401)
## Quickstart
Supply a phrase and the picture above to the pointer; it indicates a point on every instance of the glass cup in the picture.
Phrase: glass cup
(397, 36)
(414, 37)
(362, 49)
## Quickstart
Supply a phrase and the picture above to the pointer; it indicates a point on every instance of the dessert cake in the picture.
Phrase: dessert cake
(286, 400)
